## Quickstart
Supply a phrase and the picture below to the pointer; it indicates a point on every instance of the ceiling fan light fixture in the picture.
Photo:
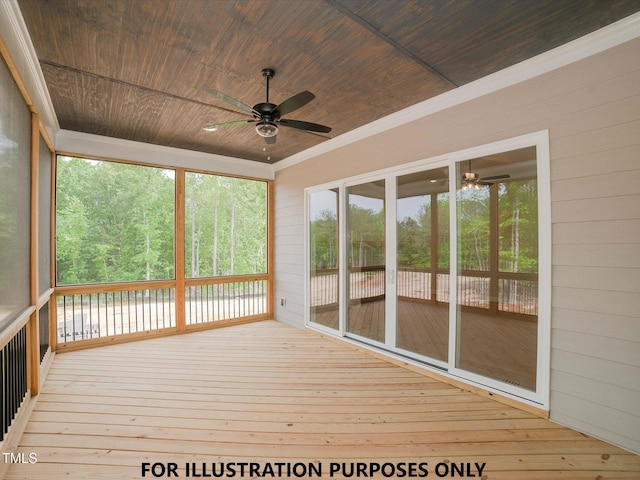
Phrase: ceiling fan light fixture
(267, 129)
(470, 181)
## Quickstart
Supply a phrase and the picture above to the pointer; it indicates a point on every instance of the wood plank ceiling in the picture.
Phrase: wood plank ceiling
(140, 70)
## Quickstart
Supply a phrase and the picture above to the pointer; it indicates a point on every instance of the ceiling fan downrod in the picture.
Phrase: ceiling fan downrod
(268, 73)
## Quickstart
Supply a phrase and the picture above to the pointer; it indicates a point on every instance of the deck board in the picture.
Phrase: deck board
(266, 392)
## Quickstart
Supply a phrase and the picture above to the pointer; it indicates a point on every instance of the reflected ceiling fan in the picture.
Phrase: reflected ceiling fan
(473, 180)
(268, 116)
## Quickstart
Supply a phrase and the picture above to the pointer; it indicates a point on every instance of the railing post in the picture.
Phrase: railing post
(181, 323)
(270, 247)
(33, 338)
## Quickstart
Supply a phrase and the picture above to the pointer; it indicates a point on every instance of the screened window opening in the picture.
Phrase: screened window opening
(114, 222)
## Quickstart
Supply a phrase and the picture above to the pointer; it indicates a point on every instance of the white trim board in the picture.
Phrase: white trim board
(596, 42)
(18, 42)
(68, 141)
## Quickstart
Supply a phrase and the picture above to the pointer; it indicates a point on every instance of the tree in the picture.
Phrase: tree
(115, 222)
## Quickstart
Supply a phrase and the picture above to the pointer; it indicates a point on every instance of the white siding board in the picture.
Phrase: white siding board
(606, 394)
(597, 278)
(581, 110)
(296, 229)
(620, 255)
(598, 324)
(598, 301)
(289, 245)
(295, 210)
(290, 220)
(596, 209)
(596, 163)
(613, 349)
(603, 371)
(616, 427)
(610, 232)
(605, 185)
(617, 136)
(294, 268)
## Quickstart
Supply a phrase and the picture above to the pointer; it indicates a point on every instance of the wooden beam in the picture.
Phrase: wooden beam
(33, 326)
(179, 250)
(114, 287)
(270, 247)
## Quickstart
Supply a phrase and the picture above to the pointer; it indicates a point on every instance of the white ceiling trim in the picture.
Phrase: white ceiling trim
(79, 143)
(608, 37)
(18, 42)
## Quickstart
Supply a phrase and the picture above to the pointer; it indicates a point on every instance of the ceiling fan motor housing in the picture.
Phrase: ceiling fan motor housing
(470, 177)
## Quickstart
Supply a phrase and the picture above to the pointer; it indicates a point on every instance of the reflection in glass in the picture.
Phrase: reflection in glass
(497, 238)
(323, 257)
(422, 217)
(366, 260)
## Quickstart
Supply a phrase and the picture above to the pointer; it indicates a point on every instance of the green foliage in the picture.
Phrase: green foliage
(518, 232)
(324, 241)
(366, 236)
(518, 211)
(225, 226)
(114, 222)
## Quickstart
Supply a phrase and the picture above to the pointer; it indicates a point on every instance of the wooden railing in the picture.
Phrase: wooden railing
(94, 314)
(225, 298)
(13, 384)
(516, 293)
(110, 310)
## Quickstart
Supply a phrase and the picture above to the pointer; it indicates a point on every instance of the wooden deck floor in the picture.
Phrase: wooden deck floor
(266, 392)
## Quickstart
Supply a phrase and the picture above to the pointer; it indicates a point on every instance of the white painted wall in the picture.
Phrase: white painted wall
(592, 111)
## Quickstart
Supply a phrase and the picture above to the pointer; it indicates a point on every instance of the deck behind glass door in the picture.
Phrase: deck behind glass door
(422, 229)
(366, 260)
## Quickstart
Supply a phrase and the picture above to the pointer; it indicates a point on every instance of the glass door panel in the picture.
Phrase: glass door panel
(323, 258)
(422, 213)
(497, 257)
(366, 260)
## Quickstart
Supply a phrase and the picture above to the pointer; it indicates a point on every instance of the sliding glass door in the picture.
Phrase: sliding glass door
(442, 264)
(366, 267)
(497, 267)
(323, 258)
(422, 243)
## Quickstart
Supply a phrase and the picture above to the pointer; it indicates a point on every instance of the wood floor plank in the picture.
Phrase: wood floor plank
(268, 393)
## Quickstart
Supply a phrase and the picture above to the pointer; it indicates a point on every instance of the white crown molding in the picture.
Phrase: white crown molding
(596, 42)
(78, 143)
(18, 42)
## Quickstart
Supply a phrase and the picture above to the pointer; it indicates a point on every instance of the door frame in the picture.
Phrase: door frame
(539, 139)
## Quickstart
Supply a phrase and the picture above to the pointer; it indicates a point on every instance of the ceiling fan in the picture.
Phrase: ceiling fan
(268, 116)
(471, 180)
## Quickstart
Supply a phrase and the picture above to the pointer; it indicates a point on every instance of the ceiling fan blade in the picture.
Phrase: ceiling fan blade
(312, 127)
(233, 101)
(270, 140)
(496, 177)
(218, 126)
(295, 102)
